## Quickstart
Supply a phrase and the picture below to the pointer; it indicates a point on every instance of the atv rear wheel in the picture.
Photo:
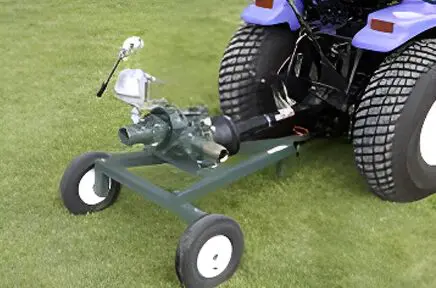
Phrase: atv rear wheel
(395, 127)
(254, 53)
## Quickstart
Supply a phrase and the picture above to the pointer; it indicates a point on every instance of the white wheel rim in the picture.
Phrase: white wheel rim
(428, 137)
(214, 256)
(87, 189)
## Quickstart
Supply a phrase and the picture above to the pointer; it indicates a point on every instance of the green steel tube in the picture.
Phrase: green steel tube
(151, 131)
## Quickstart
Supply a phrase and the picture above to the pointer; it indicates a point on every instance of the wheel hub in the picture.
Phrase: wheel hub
(214, 256)
(87, 189)
(428, 137)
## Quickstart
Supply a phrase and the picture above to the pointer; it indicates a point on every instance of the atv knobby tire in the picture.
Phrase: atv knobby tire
(254, 52)
(388, 124)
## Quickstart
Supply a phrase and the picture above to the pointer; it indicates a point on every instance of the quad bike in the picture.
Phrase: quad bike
(361, 69)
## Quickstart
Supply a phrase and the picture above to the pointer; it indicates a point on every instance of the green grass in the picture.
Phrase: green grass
(317, 227)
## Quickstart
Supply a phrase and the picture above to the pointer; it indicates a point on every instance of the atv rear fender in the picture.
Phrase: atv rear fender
(411, 18)
(280, 13)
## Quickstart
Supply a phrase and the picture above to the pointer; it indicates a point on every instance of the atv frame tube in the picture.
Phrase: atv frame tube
(329, 76)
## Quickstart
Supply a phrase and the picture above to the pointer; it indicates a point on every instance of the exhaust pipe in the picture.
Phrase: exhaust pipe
(210, 150)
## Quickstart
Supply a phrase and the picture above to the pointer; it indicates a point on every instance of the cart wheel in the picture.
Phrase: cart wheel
(78, 183)
(209, 251)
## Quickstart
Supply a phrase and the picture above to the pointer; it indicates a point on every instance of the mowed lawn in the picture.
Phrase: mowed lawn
(316, 227)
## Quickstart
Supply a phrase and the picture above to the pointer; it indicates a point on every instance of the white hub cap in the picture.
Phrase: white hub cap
(428, 137)
(214, 256)
(87, 189)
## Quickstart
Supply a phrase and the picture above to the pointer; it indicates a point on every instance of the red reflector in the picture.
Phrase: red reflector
(265, 3)
(382, 26)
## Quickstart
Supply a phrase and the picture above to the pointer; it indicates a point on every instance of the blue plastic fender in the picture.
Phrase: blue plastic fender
(280, 13)
(410, 18)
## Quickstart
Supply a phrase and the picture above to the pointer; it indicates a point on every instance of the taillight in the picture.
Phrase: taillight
(382, 26)
(265, 3)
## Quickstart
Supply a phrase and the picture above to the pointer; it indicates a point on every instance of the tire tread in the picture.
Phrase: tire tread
(381, 105)
(237, 73)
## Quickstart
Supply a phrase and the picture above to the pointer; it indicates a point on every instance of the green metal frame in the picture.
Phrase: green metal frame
(254, 156)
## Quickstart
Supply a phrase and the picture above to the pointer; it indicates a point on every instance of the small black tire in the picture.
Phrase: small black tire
(209, 252)
(389, 125)
(254, 52)
(77, 186)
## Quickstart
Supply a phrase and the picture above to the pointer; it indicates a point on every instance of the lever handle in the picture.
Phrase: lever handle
(102, 89)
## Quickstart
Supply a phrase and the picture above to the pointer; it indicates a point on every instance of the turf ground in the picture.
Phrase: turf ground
(317, 227)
